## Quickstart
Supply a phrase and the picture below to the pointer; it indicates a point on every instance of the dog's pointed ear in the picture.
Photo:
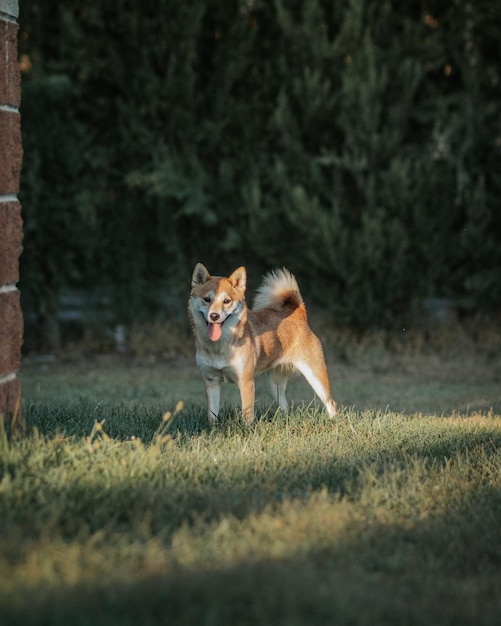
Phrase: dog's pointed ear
(200, 275)
(238, 279)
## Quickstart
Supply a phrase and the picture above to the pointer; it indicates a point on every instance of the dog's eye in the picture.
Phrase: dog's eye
(227, 301)
(207, 299)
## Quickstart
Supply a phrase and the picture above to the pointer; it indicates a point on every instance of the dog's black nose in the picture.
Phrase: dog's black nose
(214, 317)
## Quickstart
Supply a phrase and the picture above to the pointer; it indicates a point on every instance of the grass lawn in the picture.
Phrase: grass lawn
(113, 511)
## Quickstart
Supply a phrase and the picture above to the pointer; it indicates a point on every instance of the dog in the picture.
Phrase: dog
(234, 344)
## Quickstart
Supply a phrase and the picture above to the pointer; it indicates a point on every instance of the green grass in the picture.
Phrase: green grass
(114, 513)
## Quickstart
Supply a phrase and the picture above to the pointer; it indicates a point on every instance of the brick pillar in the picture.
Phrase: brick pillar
(11, 233)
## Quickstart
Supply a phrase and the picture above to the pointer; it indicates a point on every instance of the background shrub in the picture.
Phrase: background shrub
(356, 143)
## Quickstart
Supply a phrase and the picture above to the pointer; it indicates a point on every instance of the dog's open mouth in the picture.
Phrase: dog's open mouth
(214, 329)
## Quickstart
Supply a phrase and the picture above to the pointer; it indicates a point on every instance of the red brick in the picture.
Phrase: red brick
(11, 238)
(11, 332)
(11, 152)
(10, 406)
(10, 87)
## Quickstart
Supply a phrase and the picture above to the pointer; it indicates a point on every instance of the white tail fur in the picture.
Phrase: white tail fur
(278, 288)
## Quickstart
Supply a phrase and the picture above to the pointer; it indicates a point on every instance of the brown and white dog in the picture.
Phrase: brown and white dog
(233, 343)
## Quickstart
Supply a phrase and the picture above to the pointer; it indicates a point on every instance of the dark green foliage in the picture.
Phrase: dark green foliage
(356, 143)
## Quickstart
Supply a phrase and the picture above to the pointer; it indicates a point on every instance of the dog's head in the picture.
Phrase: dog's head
(216, 301)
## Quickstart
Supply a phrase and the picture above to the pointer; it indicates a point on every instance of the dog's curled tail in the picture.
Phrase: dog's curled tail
(278, 290)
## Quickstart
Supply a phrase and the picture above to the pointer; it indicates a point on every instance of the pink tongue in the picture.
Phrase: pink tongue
(214, 331)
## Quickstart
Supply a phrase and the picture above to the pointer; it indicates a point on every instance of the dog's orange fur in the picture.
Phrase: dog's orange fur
(234, 343)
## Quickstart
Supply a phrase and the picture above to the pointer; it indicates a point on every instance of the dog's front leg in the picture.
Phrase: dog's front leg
(213, 394)
(247, 393)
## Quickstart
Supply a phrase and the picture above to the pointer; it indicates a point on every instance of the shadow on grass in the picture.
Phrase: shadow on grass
(441, 571)
(121, 422)
(444, 569)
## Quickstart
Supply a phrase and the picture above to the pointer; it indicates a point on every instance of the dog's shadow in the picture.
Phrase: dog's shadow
(127, 421)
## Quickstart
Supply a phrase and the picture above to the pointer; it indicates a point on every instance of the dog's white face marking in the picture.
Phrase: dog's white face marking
(216, 306)
(216, 299)
(218, 311)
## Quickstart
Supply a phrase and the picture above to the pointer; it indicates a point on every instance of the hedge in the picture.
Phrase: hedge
(356, 143)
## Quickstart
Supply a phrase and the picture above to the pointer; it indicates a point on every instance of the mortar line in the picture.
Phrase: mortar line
(7, 378)
(9, 288)
(8, 197)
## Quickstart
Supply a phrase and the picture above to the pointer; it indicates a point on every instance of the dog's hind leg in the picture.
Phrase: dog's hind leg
(277, 382)
(316, 374)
